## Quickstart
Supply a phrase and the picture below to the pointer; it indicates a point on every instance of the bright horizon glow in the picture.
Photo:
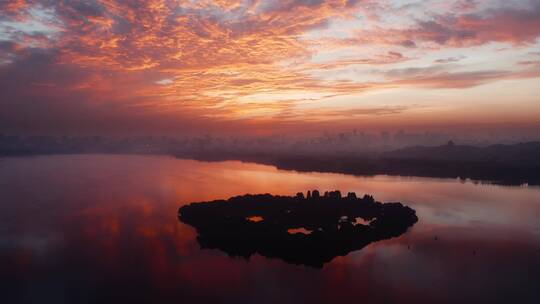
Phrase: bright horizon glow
(291, 66)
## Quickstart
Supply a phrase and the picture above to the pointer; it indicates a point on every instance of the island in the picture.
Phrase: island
(308, 230)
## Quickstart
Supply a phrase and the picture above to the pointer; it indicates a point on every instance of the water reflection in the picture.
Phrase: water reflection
(104, 228)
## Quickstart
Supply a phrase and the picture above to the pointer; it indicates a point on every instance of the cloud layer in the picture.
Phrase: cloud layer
(176, 65)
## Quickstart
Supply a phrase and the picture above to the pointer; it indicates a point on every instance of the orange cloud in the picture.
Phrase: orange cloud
(229, 60)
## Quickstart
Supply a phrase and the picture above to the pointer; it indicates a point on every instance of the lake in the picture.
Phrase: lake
(104, 228)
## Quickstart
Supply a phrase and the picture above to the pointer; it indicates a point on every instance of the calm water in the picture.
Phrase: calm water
(96, 228)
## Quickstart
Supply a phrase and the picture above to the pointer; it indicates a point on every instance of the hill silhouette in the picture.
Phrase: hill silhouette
(501, 164)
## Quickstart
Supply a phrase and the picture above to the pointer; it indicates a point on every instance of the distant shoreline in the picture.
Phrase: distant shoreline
(498, 164)
(512, 165)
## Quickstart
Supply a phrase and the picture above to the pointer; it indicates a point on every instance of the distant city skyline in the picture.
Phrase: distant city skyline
(256, 67)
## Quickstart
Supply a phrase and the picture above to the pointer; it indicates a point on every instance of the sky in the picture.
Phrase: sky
(268, 67)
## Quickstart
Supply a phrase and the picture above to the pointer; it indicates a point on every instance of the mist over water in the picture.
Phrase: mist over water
(95, 228)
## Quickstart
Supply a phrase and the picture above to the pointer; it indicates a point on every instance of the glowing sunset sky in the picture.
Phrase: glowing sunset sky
(263, 66)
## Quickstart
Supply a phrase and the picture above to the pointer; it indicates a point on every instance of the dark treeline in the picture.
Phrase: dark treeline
(516, 164)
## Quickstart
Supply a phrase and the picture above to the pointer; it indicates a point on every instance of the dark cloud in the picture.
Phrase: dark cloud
(515, 25)
(87, 8)
(442, 76)
(442, 33)
(408, 43)
(7, 46)
(529, 62)
(465, 5)
(450, 59)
